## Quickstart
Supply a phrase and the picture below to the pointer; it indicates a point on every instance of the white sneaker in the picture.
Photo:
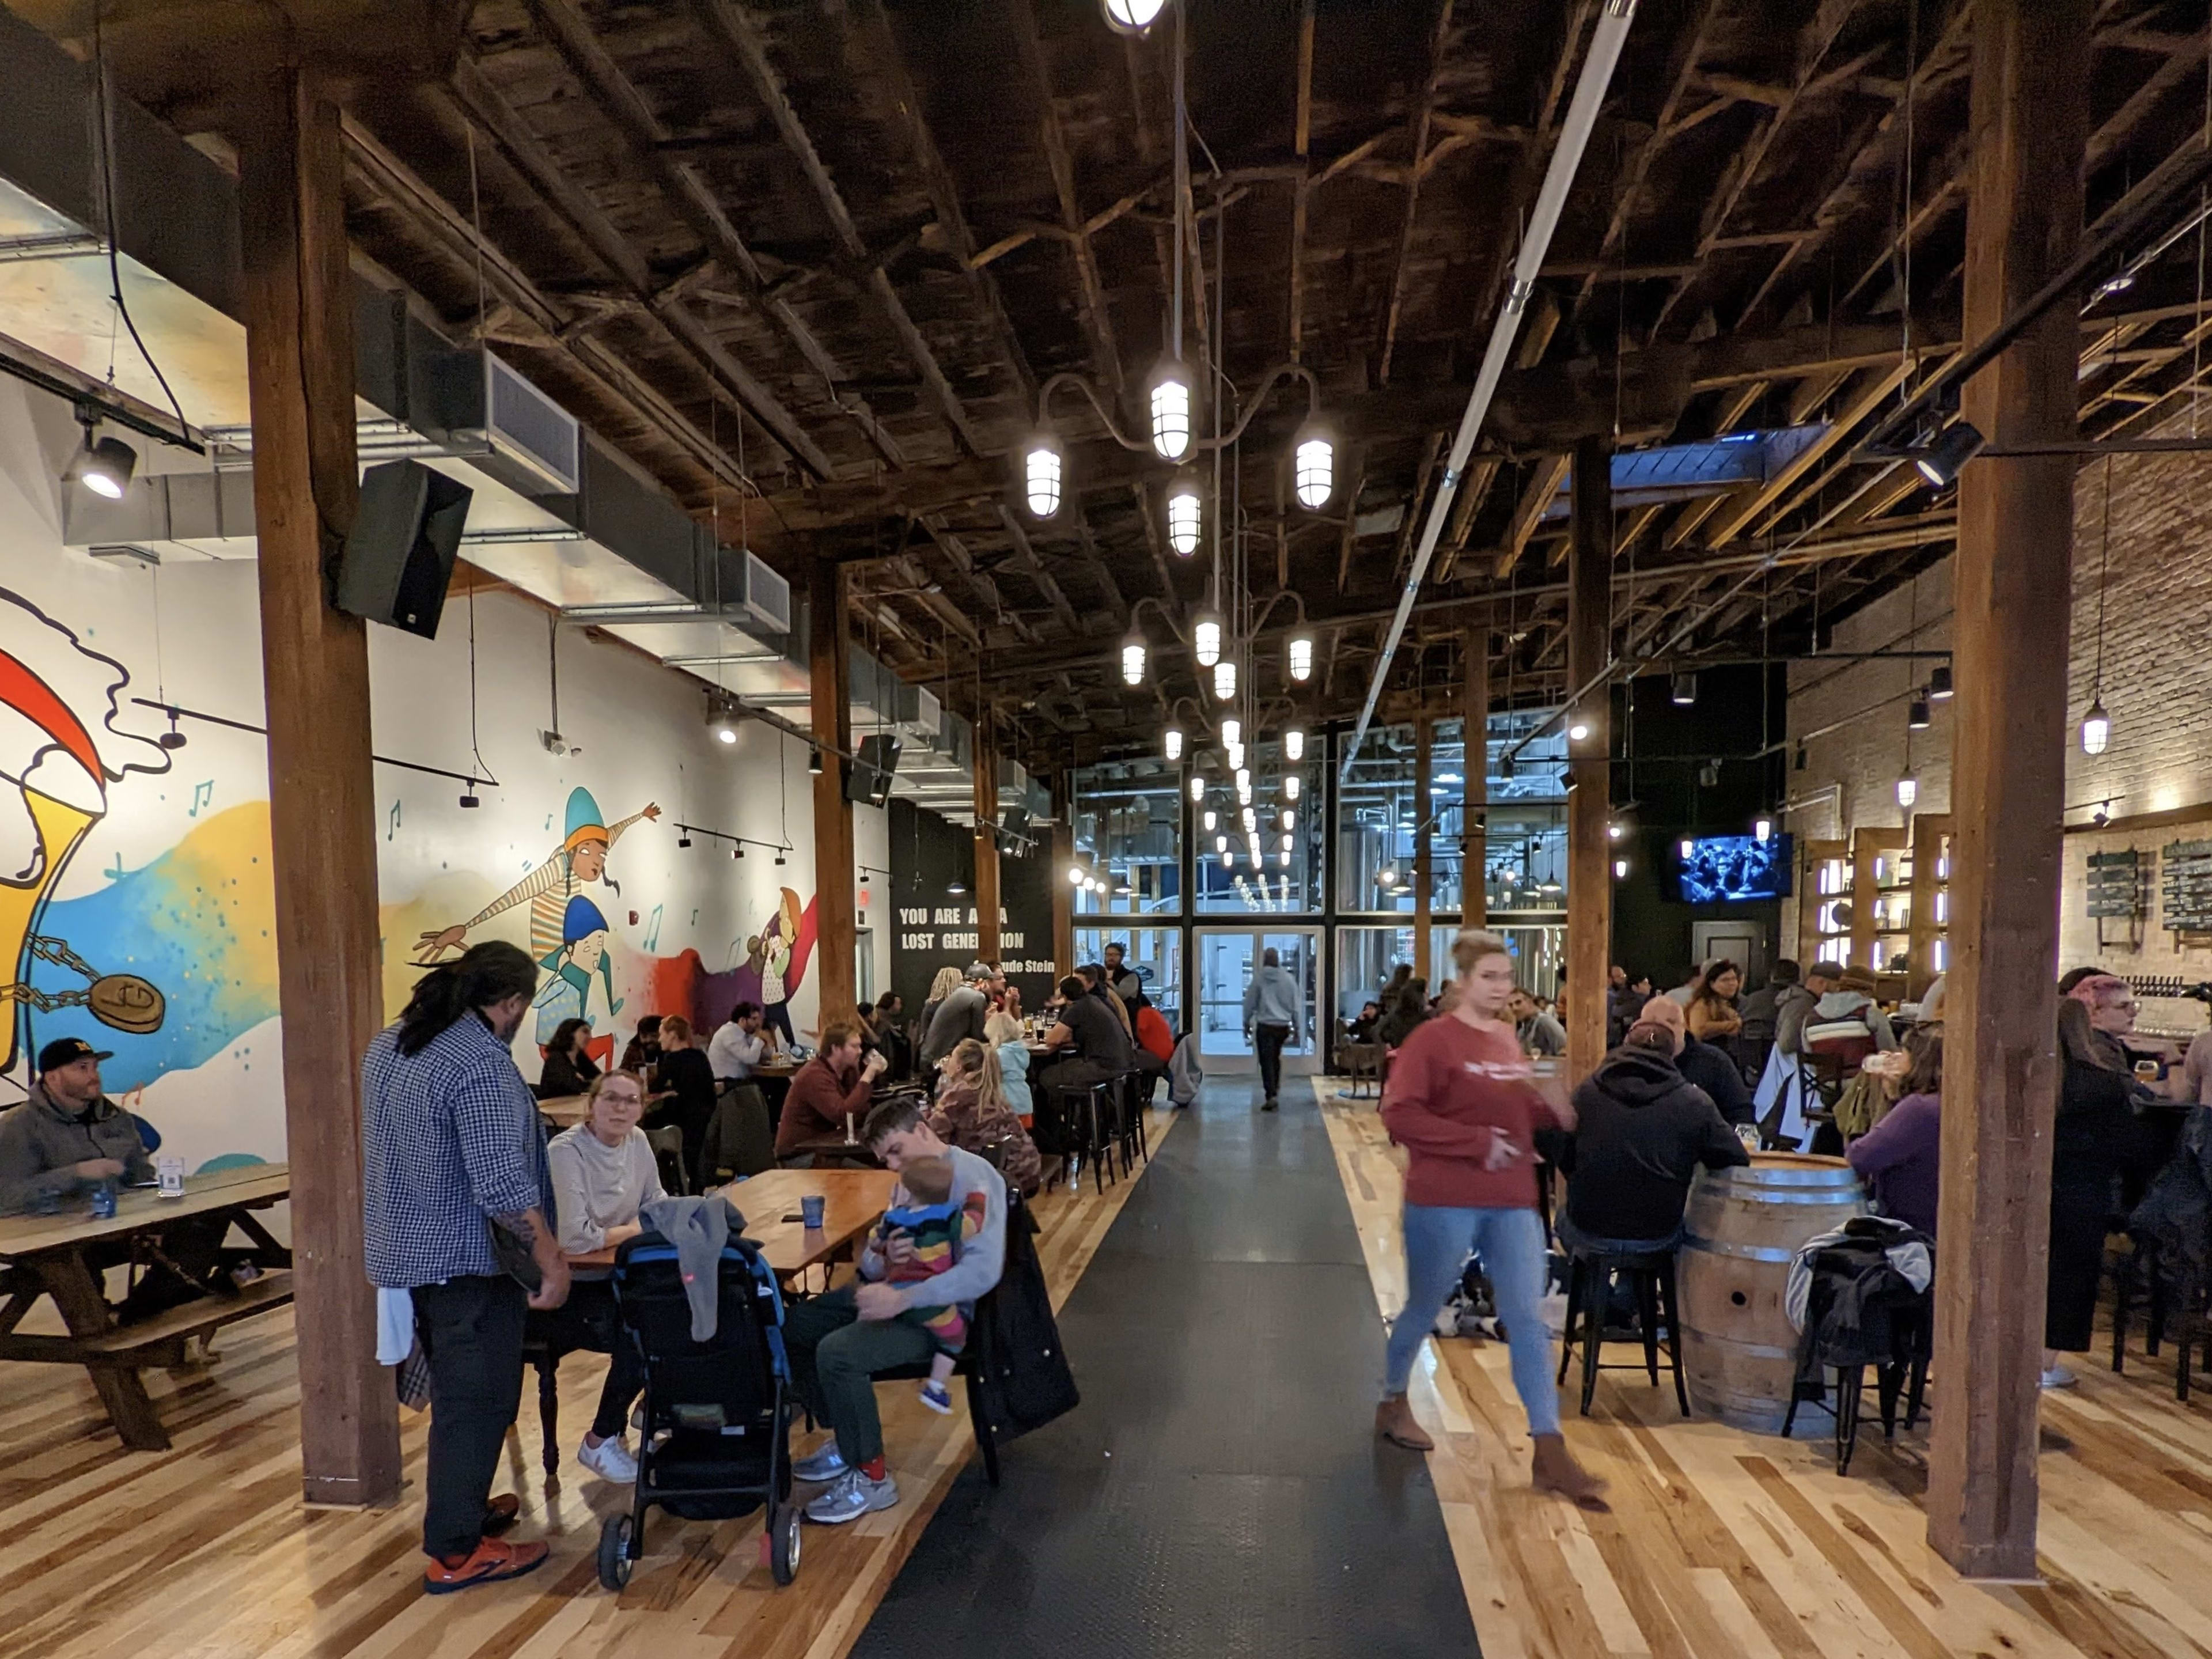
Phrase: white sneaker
(854, 1496)
(609, 1460)
(2058, 1377)
(823, 1466)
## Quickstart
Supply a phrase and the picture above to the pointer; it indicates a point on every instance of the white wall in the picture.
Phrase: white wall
(170, 882)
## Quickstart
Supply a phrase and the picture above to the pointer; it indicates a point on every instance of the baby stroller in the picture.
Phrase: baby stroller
(717, 1414)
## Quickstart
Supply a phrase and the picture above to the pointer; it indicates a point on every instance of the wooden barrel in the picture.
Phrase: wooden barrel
(1739, 1350)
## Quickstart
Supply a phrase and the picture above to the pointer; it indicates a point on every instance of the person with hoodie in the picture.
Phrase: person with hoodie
(1702, 1064)
(1641, 1131)
(1760, 1010)
(1465, 1104)
(1273, 1016)
(1845, 1020)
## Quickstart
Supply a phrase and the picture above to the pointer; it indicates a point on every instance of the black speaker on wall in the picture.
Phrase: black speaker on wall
(399, 557)
(869, 777)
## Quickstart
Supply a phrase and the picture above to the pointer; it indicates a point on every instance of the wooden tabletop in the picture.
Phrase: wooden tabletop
(140, 1208)
(853, 1201)
(566, 1111)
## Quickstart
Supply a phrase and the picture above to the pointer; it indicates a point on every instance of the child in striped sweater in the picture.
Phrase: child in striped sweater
(936, 1228)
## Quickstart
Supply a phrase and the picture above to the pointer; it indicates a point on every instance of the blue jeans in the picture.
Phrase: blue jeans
(1510, 1243)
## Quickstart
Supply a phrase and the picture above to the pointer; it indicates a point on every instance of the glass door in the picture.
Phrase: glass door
(1227, 958)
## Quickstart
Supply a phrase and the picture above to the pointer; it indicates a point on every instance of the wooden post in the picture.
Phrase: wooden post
(322, 799)
(829, 661)
(2012, 586)
(1424, 839)
(1589, 852)
(1063, 894)
(1474, 832)
(987, 844)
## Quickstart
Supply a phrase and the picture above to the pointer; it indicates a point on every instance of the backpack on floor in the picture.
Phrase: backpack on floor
(1185, 1074)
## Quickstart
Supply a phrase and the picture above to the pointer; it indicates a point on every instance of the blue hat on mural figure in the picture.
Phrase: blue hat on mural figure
(581, 919)
(586, 823)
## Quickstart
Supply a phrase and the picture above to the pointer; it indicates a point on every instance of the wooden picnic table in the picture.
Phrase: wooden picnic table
(65, 1256)
(853, 1201)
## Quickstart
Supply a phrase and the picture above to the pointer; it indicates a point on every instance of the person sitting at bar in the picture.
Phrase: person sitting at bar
(1641, 1131)
(1899, 1156)
(1794, 1005)
(643, 1050)
(1760, 1010)
(568, 1069)
(1702, 1064)
(1003, 1032)
(839, 1341)
(890, 1022)
(683, 1089)
(1156, 1038)
(69, 1136)
(972, 1112)
(1406, 1011)
(604, 1173)
(829, 1095)
(1094, 977)
(1539, 1033)
(740, 1046)
(1711, 1010)
(2091, 1138)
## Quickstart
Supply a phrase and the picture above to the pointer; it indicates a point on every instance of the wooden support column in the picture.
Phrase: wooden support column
(829, 659)
(2012, 588)
(1424, 840)
(1063, 894)
(1474, 831)
(1589, 854)
(322, 798)
(986, 846)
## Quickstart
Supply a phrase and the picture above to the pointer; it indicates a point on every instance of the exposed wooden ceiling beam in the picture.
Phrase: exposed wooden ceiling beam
(1541, 489)
(734, 29)
(1874, 385)
(1301, 143)
(1439, 43)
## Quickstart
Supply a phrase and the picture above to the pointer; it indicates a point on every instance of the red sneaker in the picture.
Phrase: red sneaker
(493, 1559)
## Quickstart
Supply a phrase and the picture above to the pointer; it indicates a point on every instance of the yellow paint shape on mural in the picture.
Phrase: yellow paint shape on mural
(227, 857)
(58, 828)
(458, 893)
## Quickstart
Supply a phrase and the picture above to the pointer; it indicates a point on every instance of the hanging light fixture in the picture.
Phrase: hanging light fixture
(1250, 819)
(1294, 743)
(103, 465)
(1244, 794)
(1762, 828)
(1291, 786)
(1301, 657)
(1243, 779)
(1283, 858)
(1908, 789)
(1941, 463)
(1225, 679)
(2096, 728)
(1183, 516)
(1313, 470)
(1620, 869)
(1235, 754)
(1211, 817)
(1172, 742)
(814, 761)
(2097, 724)
(1939, 682)
(1915, 714)
(1387, 876)
(1232, 733)
(1132, 658)
(1169, 400)
(1221, 843)
(1682, 689)
(1197, 787)
(1206, 638)
(1044, 467)
(1132, 16)
(1227, 857)
(1289, 817)
(1615, 831)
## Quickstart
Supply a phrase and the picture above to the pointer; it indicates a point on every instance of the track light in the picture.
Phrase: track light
(1301, 658)
(173, 741)
(1313, 470)
(684, 842)
(1133, 658)
(1915, 714)
(103, 465)
(1683, 689)
(469, 801)
(1172, 742)
(781, 860)
(814, 761)
(1939, 682)
(1942, 462)
(1294, 744)
(1206, 638)
(1225, 679)
(1044, 467)
(2096, 728)
(1169, 401)
(738, 853)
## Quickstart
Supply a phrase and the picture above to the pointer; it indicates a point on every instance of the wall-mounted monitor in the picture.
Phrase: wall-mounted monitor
(1733, 869)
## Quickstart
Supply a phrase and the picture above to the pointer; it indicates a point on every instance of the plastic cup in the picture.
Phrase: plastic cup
(169, 1172)
(810, 1210)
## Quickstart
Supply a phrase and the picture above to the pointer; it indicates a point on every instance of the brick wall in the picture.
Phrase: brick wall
(2156, 684)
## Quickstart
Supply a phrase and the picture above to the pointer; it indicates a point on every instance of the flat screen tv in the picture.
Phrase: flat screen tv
(1727, 869)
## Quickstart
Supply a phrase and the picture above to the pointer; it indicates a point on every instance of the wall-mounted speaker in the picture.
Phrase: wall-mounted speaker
(869, 777)
(399, 558)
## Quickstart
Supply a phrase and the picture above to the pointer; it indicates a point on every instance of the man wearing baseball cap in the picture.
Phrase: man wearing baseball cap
(68, 1134)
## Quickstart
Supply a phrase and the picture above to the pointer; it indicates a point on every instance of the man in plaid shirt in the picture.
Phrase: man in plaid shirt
(453, 1150)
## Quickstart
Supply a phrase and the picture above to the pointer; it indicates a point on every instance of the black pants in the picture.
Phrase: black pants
(470, 1329)
(1269, 1039)
(588, 1320)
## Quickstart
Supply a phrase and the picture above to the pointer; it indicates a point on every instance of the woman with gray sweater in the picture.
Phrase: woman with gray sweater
(604, 1173)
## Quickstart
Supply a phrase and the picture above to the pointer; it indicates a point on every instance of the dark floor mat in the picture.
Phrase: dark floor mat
(1220, 1491)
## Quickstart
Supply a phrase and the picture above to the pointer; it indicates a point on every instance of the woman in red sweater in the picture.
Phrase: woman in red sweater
(1466, 1105)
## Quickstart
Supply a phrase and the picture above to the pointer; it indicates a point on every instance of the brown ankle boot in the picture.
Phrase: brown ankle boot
(1394, 1422)
(1555, 1471)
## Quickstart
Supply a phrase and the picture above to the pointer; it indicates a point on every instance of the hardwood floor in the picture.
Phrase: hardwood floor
(1723, 1543)
(205, 1551)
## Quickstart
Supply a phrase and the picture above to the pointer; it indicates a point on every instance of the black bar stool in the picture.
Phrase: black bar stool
(1085, 1110)
(1652, 1276)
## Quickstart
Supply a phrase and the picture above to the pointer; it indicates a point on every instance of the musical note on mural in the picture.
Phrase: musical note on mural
(393, 827)
(115, 871)
(695, 916)
(548, 820)
(203, 794)
(652, 931)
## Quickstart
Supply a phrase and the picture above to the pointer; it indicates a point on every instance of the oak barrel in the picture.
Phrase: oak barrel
(1739, 1350)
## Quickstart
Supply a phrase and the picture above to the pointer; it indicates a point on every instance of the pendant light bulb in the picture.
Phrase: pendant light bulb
(1197, 787)
(1289, 818)
(1074, 877)
(1232, 733)
(1132, 16)
(1169, 400)
(1206, 639)
(1172, 742)
(1313, 469)
(1132, 660)
(1290, 786)
(1301, 658)
(1225, 680)
(1762, 830)
(1044, 467)
(1294, 744)
(1183, 514)
(1211, 819)
(2096, 728)
(1908, 790)
(1235, 752)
